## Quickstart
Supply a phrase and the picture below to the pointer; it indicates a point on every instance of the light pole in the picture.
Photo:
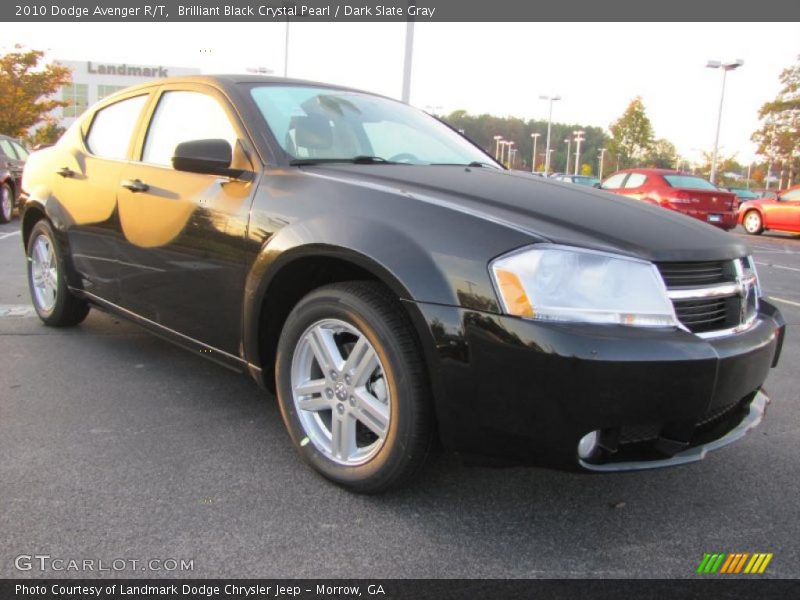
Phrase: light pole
(550, 99)
(498, 139)
(725, 66)
(568, 142)
(512, 157)
(286, 52)
(602, 157)
(749, 166)
(535, 137)
(510, 150)
(407, 60)
(578, 139)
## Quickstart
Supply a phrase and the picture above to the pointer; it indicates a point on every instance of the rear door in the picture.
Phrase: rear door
(635, 186)
(87, 180)
(785, 213)
(183, 256)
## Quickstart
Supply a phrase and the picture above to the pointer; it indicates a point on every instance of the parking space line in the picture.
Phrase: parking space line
(8, 235)
(17, 310)
(791, 302)
(778, 266)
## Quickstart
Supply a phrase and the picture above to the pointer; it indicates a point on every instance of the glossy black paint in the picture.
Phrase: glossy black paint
(222, 283)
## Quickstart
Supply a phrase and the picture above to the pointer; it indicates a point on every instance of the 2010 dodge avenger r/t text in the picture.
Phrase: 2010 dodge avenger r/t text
(394, 285)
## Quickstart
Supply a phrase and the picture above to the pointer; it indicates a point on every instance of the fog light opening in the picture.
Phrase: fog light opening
(589, 444)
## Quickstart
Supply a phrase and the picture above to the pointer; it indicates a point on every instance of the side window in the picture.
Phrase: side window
(614, 182)
(7, 150)
(22, 154)
(112, 127)
(181, 117)
(793, 195)
(635, 180)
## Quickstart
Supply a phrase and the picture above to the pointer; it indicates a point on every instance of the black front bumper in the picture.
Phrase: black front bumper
(529, 391)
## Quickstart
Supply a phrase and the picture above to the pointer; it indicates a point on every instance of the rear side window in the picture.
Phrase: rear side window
(614, 182)
(22, 154)
(7, 150)
(182, 117)
(636, 180)
(689, 182)
(112, 128)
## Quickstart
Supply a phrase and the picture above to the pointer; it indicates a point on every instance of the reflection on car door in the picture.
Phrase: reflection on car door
(182, 263)
(86, 181)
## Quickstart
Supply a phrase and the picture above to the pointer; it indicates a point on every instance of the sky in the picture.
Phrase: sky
(497, 68)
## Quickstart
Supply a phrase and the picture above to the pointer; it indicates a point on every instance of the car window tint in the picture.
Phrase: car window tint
(689, 182)
(182, 117)
(112, 127)
(614, 182)
(636, 180)
(22, 154)
(793, 195)
(8, 151)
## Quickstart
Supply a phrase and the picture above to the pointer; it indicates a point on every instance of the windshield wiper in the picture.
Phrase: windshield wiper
(474, 163)
(357, 160)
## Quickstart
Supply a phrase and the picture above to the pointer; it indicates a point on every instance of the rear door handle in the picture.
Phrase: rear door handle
(135, 185)
(66, 172)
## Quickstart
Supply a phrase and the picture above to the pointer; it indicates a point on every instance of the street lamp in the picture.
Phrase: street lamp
(497, 141)
(578, 139)
(510, 150)
(602, 156)
(568, 142)
(535, 137)
(725, 66)
(512, 158)
(550, 99)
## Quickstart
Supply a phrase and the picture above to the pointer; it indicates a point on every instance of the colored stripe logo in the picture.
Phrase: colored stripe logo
(733, 564)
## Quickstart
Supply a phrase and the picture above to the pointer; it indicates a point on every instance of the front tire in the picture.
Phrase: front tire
(6, 203)
(353, 388)
(752, 223)
(54, 303)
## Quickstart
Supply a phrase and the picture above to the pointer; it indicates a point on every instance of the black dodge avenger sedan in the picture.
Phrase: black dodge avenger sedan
(394, 286)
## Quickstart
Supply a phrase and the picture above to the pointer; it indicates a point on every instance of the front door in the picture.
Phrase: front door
(182, 262)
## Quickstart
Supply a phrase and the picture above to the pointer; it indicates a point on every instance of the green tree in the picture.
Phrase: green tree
(631, 135)
(662, 155)
(26, 90)
(778, 138)
(46, 134)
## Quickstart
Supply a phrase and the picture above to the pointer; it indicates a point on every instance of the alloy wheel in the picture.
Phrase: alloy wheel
(340, 392)
(44, 273)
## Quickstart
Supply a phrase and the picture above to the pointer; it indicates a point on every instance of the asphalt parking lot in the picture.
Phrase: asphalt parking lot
(117, 445)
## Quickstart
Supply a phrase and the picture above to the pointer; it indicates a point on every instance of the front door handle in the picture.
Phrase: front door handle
(66, 172)
(135, 185)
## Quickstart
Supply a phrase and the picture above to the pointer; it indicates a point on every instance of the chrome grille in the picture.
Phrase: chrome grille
(712, 297)
(688, 274)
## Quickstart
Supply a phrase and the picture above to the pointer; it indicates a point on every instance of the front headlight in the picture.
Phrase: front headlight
(560, 283)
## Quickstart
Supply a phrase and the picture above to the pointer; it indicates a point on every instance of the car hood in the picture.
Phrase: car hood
(560, 213)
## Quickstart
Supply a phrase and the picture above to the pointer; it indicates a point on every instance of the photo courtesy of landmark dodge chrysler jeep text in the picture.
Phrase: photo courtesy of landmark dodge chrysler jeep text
(395, 286)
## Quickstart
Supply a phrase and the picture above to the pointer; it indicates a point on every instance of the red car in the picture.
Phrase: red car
(683, 192)
(781, 213)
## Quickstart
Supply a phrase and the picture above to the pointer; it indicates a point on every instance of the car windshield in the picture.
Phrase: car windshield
(585, 180)
(690, 182)
(744, 193)
(315, 124)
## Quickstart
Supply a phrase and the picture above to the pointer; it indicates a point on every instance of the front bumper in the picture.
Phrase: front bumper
(530, 391)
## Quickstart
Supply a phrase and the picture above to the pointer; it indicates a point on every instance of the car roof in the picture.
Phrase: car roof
(233, 80)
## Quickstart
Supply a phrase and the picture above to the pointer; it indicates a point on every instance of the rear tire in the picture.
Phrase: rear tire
(752, 222)
(54, 303)
(6, 203)
(353, 387)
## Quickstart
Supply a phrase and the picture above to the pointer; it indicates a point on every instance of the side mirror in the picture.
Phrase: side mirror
(210, 157)
(598, 185)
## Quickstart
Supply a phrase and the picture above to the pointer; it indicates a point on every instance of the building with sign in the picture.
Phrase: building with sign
(94, 80)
